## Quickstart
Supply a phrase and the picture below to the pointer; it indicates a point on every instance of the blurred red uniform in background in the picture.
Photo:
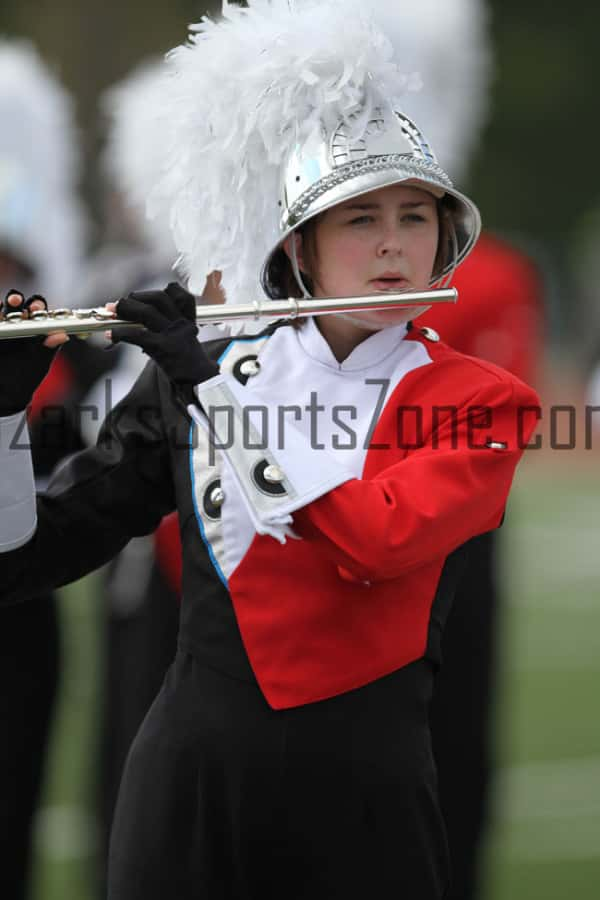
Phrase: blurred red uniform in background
(499, 317)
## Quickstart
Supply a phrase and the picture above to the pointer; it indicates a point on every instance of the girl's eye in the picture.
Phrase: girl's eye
(414, 217)
(361, 220)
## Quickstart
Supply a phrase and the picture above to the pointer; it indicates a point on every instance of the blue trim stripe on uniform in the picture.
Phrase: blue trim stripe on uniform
(211, 554)
(239, 341)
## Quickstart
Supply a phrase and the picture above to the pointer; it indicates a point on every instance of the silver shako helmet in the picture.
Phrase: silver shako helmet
(275, 112)
(328, 169)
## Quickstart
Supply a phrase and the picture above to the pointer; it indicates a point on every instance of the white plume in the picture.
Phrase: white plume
(134, 151)
(447, 43)
(41, 219)
(236, 99)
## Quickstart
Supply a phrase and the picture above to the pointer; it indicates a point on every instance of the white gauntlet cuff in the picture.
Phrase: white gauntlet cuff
(17, 487)
(277, 469)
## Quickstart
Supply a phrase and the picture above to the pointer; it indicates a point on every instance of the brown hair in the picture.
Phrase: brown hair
(445, 248)
(282, 281)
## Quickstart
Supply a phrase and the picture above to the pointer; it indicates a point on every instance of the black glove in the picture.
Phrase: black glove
(24, 362)
(169, 336)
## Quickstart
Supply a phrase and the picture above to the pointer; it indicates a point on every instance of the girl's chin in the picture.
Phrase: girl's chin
(379, 319)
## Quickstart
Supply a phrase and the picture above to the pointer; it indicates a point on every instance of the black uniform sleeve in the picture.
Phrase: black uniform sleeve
(98, 499)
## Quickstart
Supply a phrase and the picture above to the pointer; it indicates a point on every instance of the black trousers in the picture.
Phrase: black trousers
(140, 643)
(29, 667)
(139, 648)
(461, 714)
(225, 798)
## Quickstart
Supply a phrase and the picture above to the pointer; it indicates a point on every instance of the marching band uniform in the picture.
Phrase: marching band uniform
(505, 330)
(288, 750)
(282, 627)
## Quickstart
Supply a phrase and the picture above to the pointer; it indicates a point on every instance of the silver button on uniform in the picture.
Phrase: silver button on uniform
(250, 367)
(273, 474)
(429, 334)
(217, 497)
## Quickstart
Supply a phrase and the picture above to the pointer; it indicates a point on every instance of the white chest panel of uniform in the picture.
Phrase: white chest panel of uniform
(334, 405)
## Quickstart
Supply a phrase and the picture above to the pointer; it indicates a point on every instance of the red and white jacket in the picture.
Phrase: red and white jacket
(322, 519)
(377, 519)
(499, 318)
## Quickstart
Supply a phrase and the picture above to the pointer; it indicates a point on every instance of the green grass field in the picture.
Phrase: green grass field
(546, 841)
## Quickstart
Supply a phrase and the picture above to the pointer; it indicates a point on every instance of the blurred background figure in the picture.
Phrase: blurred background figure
(41, 245)
(500, 318)
(593, 389)
(132, 252)
(589, 261)
(141, 588)
(41, 221)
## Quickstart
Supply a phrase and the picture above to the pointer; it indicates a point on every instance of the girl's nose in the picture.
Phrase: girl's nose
(390, 242)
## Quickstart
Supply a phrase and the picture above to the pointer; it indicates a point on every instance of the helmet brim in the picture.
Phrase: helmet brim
(464, 215)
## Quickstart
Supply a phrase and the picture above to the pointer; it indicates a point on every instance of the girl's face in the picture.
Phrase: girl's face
(385, 240)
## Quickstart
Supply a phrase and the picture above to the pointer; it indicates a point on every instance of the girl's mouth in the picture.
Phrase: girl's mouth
(390, 284)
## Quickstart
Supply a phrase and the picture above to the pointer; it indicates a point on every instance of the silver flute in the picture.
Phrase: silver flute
(85, 321)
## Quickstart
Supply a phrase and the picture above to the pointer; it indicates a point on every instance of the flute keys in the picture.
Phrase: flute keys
(101, 313)
(97, 313)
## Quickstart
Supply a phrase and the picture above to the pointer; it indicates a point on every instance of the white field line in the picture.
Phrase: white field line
(63, 833)
(552, 788)
(553, 641)
(574, 841)
(547, 811)
(550, 810)
(552, 657)
(554, 564)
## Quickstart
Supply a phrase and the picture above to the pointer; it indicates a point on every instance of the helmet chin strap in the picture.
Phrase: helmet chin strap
(306, 295)
(441, 283)
(379, 326)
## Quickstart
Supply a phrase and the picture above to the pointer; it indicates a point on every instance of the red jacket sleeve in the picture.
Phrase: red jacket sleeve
(438, 496)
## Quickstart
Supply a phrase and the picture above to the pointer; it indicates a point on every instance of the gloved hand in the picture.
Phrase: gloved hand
(169, 336)
(24, 362)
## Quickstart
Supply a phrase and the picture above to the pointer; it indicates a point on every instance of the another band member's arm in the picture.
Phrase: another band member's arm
(95, 502)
